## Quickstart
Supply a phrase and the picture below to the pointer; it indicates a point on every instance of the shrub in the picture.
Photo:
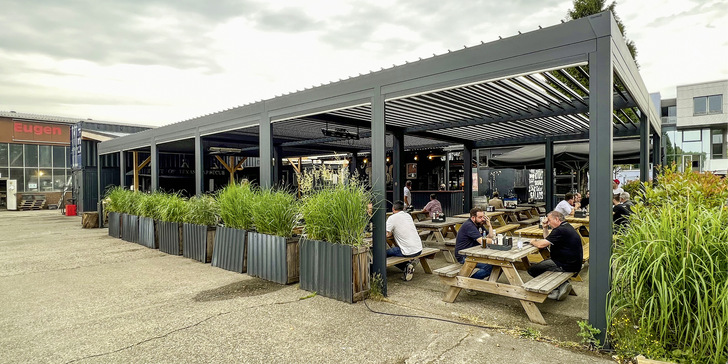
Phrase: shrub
(235, 202)
(202, 210)
(151, 205)
(633, 188)
(335, 212)
(275, 212)
(115, 199)
(669, 296)
(173, 208)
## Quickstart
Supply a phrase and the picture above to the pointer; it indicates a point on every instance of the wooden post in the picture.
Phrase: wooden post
(138, 168)
(229, 166)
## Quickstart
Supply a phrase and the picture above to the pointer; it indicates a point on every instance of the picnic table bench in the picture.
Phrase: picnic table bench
(529, 222)
(427, 253)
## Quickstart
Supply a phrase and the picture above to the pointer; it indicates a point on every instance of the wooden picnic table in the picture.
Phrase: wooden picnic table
(497, 218)
(536, 231)
(580, 220)
(438, 231)
(503, 262)
(512, 214)
(539, 207)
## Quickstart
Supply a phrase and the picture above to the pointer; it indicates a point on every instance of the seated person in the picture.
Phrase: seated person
(624, 200)
(433, 207)
(402, 228)
(620, 213)
(567, 254)
(370, 211)
(585, 200)
(471, 234)
(567, 206)
(496, 202)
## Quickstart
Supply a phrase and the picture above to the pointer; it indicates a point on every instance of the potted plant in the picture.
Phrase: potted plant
(114, 206)
(149, 215)
(130, 216)
(235, 204)
(199, 228)
(173, 209)
(334, 258)
(273, 250)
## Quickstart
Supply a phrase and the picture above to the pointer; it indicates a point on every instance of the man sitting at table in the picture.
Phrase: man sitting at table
(564, 243)
(470, 235)
(433, 207)
(402, 228)
(496, 202)
(567, 206)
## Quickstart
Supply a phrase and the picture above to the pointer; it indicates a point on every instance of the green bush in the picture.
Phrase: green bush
(202, 210)
(115, 199)
(173, 208)
(275, 212)
(150, 205)
(335, 212)
(235, 202)
(633, 188)
(669, 296)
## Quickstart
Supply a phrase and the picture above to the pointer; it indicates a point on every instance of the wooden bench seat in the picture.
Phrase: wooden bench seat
(426, 253)
(547, 282)
(451, 270)
(506, 229)
(529, 222)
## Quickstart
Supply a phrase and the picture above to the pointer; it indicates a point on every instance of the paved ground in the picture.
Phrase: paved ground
(77, 295)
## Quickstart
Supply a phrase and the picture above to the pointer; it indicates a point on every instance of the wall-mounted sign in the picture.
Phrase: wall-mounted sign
(16, 131)
(411, 170)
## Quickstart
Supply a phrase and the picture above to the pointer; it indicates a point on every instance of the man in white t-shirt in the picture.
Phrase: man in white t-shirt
(402, 228)
(616, 190)
(566, 206)
(407, 194)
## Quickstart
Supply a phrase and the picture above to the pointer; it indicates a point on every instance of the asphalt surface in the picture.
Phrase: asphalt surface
(73, 295)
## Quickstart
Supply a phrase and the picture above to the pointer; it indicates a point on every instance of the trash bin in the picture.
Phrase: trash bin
(70, 210)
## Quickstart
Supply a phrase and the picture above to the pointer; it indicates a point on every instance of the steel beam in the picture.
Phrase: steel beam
(644, 148)
(657, 161)
(154, 165)
(378, 182)
(508, 142)
(353, 163)
(122, 169)
(99, 191)
(277, 164)
(600, 172)
(266, 150)
(199, 160)
(468, 177)
(548, 175)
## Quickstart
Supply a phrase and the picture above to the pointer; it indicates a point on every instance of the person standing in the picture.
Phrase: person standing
(402, 228)
(567, 253)
(407, 194)
(433, 207)
(615, 187)
(471, 234)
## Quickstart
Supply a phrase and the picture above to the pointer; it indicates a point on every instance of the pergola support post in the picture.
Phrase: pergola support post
(548, 175)
(122, 169)
(657, 161)
(397, 167)
(266, 150)
(600, 164)
(277, 164)
(468, 177)
(199, 170)
(644, 148)
(352, 163)
(154, 166)
(99, 190)
(378, 180)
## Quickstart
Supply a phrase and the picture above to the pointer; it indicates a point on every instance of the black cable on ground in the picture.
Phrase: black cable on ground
(435, 319)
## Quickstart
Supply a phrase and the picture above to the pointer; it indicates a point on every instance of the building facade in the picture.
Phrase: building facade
(695, 125)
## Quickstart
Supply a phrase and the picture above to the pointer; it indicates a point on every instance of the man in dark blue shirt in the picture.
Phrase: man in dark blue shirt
(564, 242)
(470, 235)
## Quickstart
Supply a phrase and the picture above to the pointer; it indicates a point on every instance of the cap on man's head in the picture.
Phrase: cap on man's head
(616, 181)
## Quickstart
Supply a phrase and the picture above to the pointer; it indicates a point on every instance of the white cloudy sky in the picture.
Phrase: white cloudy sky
(162, 61)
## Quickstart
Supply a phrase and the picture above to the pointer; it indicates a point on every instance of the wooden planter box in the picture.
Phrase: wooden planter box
(198, 241)
(148, 235)
(130, 228)
(335, 270)
(230, 251)
(115, 224)
(273, 258)
(170, 237)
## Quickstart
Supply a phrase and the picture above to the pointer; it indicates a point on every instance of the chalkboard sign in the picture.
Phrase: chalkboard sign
(535, 184)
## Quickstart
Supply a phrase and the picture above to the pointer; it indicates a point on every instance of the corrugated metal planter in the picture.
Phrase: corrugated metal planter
(115, 224)
(231, 249)
(273, 258)
(170, 237)
(198, 242)
(130, 228)
(148, 232)
(335, 270)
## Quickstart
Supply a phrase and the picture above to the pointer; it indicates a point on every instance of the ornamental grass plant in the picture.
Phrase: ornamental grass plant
(150, 205)
(173, 208)
(669, 298)
(275, 212)
(202, 210)
(334, 208)
(235, 202)
(116, 199)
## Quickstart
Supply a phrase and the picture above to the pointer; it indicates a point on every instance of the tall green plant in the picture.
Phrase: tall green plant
(275, 212)
(335, 212)
(151, 205)
(236, 204)
(669, 296)
(114, 198)
(202, 210)
(174, 208)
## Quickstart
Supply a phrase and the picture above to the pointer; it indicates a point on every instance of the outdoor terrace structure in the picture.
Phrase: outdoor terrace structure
(495, 94)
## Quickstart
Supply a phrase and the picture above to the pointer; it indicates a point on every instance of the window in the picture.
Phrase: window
(17, 174)
(44, 156)
(31, 155)
(716, 136)
(691, 135)
(708, 105)
(59, 179)
(3, 154)
(16, 155)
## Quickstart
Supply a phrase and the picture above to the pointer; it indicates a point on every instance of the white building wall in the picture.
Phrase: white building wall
(685, 95)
